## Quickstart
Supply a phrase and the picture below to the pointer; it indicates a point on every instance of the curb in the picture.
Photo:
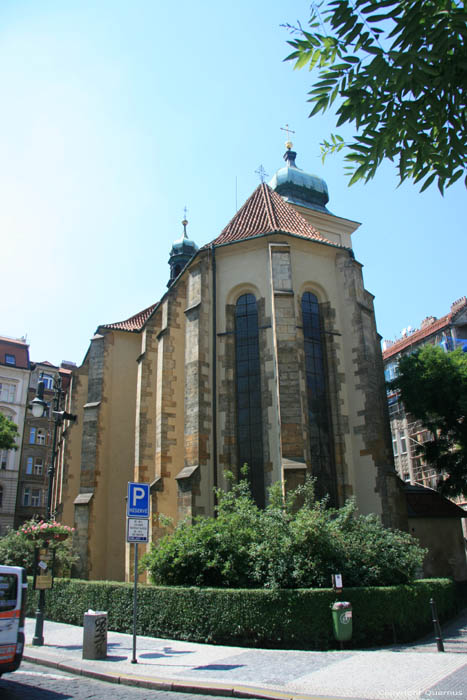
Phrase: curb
(192, 687)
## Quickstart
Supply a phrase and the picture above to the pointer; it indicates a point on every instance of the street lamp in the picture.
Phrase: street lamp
(38, 408)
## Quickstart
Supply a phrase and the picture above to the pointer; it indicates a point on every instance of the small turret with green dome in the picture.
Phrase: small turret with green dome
(182, 251)
(298, 187)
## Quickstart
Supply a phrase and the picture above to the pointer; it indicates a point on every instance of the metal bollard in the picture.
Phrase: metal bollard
(436, 625)
(95, 635)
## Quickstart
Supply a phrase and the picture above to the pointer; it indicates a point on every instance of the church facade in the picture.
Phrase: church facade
(263, 351)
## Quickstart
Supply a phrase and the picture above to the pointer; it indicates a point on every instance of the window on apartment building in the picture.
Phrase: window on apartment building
(4, 456)
(48, 381)
(36, 497)
(32, 436)
(391, 371)
(393, 406)
(27, 496)
(395, 447)
(7, 392)
(38, 466)
(403, 441)
(40, 437)
(29, 463)
(1, 496)
(10, 359)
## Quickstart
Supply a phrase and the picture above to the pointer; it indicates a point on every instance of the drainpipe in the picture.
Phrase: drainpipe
(214, 367)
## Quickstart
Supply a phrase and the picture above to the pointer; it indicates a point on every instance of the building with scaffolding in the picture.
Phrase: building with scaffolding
(408, 434)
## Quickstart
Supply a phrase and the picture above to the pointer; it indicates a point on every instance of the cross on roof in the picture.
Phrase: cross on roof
(289, 131)
(262, 173)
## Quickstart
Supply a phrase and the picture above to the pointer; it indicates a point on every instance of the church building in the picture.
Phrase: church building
(263, 350)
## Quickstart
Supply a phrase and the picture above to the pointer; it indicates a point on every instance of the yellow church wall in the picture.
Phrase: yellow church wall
(145, 421)
(249, 261)
(178, 301)
(115, 456)
(334, 228)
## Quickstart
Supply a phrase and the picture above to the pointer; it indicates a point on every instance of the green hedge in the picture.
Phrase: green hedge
(296, 619)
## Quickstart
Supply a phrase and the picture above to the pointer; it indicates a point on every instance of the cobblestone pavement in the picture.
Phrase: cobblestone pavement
(32, 682)
(409, 672)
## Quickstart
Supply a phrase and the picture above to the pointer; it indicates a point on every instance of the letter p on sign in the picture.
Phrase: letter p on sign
(138, 501)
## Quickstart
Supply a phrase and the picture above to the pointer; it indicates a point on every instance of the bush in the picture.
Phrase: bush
(282, 546)
(294, 619)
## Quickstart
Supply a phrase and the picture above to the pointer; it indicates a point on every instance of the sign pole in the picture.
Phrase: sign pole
(135, 604)
(137, 524)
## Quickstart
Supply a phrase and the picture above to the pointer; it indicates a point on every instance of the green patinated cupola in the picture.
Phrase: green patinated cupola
(298, 187)
(182, 251)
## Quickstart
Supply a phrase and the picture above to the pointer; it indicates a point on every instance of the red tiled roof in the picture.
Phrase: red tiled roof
(422, 333)
(134, 323)
(266, 212)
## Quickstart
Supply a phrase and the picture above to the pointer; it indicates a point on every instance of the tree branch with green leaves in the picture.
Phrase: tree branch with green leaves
(8, 433)
(433, 388)
(399, 72)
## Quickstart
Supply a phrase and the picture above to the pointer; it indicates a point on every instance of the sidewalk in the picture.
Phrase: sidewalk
(398, 672)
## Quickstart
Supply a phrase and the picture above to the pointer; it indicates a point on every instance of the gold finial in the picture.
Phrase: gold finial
(288, 143)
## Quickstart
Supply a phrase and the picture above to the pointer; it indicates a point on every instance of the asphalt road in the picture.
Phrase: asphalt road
(32, 682)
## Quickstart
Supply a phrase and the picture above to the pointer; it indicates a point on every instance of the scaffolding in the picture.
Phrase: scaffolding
(420, 472)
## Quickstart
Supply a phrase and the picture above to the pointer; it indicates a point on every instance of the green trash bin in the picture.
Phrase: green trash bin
(342, 620)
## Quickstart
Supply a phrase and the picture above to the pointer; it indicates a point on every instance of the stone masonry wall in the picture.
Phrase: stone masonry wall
(195, 491)
(89, 451)
(373, 426)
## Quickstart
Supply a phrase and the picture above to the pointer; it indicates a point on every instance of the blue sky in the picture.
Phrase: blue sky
(116, 115)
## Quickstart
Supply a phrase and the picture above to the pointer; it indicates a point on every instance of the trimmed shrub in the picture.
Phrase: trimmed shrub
(294, 619)
(282, 545)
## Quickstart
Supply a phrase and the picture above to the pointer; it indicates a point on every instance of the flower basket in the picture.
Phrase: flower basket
(43, 531)
(60, 536)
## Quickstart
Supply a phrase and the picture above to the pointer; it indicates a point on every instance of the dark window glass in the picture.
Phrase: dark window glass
(318, 419)
(8, 592)
(249, 419)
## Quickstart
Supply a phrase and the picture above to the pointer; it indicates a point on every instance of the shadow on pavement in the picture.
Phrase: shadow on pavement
(12, 690)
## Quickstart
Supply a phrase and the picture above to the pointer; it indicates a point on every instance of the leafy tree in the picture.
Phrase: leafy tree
(295, 542)
(8, 433)
(400, 67)
(433, 388)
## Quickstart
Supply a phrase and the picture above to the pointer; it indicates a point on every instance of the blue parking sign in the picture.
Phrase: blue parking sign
(137, 505)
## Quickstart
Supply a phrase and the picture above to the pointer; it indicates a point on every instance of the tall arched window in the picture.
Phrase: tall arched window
(248, 385)
(316, 385)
